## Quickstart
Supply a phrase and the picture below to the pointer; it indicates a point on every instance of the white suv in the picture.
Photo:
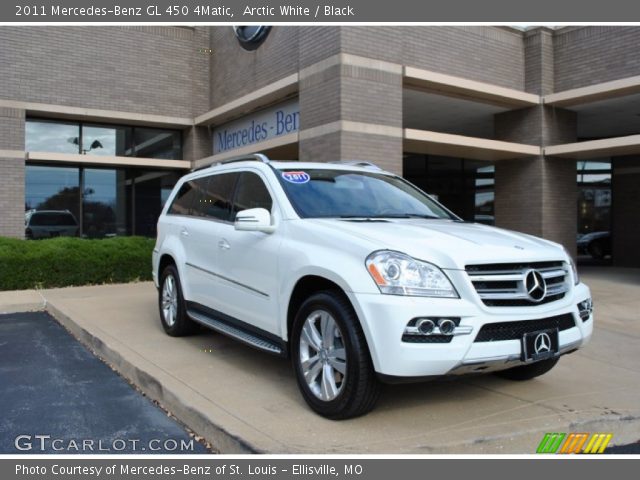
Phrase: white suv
(358, 276)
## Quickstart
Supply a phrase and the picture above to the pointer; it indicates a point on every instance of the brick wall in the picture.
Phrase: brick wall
(538, 58)
(236, 71)
(142, 69)
(364, 94)
(484, 53)
(537, 195)
(11, 173)
(11, 129)
(589, 55)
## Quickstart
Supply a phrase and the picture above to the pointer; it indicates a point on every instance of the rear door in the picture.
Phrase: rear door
(180, 225)
(210, 211)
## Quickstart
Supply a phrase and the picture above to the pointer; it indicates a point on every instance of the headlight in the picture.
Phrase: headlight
(574, 269)
(399, 274)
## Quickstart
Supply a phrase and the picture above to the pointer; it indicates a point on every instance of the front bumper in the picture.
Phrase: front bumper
(384, 318)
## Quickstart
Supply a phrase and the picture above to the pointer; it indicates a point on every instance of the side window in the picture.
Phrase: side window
(199, 205)
(251, 193)
(216, 199)
(183, 202)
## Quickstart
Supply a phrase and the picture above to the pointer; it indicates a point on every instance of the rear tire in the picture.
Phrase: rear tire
(173, 313)
(527, 372)
(331, 358)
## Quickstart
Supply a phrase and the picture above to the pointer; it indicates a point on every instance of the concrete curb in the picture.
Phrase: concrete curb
(196, 420)
(21, 301)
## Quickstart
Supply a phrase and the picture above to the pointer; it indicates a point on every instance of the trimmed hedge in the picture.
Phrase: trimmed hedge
(67, 261)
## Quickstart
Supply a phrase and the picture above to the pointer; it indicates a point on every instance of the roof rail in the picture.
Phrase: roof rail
(258, 157)
(358, 163)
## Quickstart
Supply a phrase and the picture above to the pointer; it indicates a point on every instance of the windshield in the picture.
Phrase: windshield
(318, 193)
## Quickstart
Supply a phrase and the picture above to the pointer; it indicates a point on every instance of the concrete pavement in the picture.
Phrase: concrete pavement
(242, 400)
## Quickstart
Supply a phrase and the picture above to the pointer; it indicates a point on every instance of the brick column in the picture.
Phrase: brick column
(351, 109)
(197, 144)
(12, 172)
(538, 195)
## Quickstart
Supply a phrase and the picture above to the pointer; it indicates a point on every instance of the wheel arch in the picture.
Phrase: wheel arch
(309, 284)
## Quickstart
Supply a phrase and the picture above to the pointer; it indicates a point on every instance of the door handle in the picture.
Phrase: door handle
(184, 232)
(223, 244)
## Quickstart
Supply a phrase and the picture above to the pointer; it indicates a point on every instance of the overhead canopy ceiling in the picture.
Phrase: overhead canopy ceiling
(613, 117)
(430, 111)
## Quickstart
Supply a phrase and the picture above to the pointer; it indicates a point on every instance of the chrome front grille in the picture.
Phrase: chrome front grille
(505, 285)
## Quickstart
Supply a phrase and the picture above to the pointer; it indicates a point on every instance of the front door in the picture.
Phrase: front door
(248, 261)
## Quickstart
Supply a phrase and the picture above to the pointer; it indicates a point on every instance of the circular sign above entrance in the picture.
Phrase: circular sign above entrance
(251, 36)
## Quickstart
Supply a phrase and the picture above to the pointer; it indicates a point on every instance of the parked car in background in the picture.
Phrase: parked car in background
(596, 244)
(49, 223)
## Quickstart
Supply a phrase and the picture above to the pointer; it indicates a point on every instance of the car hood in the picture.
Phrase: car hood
(447, 243)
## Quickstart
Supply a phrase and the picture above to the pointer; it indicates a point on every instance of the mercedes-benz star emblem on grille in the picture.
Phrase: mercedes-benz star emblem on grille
(535, 285)
(542, 343)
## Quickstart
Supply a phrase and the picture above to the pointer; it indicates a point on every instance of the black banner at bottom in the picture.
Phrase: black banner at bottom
(360, 468)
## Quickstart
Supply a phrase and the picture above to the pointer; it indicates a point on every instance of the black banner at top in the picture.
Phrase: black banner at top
(316, 11)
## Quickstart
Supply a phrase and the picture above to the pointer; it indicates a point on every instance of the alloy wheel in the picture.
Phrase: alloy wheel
(169, 300)
(322, 355)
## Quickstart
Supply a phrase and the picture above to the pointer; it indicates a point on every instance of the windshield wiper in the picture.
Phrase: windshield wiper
(408, 215)
(394, 215)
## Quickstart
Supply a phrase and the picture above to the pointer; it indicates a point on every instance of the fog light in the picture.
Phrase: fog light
(585, 309)
(446, 326)
(426, 326)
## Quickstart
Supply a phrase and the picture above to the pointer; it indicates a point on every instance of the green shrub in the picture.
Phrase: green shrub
(66, 261)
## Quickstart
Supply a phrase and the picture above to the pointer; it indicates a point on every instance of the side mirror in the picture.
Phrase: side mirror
(254, 220)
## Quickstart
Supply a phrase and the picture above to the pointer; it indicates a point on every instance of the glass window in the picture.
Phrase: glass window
(104, 203)
(216, 201)
(52, 136)
(114, 201)
(464, 186)
(107, 140)
(52, 188)
(152, 189)
(594, 196)
(251, 193)
(157, 143)
(184, 200)
(45, 135)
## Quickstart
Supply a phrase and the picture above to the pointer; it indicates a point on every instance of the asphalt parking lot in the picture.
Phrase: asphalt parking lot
(245, 401)
(57, 397)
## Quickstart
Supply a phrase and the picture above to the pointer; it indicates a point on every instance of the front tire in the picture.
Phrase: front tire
(331, 358)
(527, 372)
(173, 314)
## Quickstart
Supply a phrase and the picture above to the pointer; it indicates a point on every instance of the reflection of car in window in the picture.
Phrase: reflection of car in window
(596, 244)
(50, 223)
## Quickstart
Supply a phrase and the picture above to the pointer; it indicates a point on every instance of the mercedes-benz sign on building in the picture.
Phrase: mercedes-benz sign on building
(536, 130)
